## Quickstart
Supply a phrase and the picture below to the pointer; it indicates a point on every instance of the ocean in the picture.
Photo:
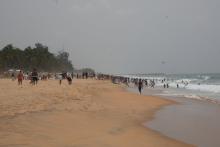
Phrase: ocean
(194, 86)
(195, 118)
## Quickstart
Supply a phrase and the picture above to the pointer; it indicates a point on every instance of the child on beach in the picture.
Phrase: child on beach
(20, 78)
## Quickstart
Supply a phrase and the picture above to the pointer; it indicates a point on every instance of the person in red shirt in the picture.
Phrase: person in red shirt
(20, 78)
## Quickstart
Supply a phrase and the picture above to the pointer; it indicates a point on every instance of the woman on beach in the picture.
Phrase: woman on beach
(20, 78)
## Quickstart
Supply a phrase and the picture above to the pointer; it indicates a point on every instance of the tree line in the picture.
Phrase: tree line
(37, 57)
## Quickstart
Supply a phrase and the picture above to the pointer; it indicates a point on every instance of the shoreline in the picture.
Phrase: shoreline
(87, 113)
(196, 121)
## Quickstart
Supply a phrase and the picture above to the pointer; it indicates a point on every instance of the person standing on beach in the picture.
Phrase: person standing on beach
(13, 76)
(34, 77)
(72, 75)
(60, 80)
(60, 77)
(69, 79)
(20, 78)
(140, 85)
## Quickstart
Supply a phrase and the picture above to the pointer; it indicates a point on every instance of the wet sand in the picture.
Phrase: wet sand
(192, 121)
(88, 113)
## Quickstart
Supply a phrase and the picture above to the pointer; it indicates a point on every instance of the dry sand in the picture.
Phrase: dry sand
(88, 113)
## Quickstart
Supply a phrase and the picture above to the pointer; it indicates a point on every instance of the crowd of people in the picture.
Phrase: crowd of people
(140, 83)
(34, 77)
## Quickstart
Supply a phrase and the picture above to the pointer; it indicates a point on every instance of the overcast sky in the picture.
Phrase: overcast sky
(120, 36)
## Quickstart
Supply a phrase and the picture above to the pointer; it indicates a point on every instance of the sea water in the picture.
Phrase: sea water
(195, 121)
(194, 86)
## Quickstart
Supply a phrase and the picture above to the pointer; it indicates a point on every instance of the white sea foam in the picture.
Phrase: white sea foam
(204, 87)
(196, 87)
(206, 77)
(197, 83)
(193, 96)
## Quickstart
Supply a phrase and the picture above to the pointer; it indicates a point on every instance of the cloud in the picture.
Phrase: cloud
(90, 5)
(120, 35)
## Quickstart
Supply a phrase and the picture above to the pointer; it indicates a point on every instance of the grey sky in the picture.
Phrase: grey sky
(120, 36)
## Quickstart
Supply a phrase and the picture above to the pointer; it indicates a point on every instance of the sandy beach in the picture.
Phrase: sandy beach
(88, 113)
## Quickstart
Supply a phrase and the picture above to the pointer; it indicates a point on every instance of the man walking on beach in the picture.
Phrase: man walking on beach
(140, 85)
(20, 78)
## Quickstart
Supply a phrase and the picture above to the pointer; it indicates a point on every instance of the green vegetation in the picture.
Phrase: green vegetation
(38, 57)
(88, 70)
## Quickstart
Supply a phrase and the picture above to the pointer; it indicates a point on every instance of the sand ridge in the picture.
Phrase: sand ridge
(88, 113)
